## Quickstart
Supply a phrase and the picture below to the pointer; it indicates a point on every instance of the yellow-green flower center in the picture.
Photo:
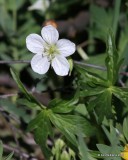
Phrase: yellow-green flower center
(52, 49)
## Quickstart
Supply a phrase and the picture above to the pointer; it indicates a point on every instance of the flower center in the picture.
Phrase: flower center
(51, 51)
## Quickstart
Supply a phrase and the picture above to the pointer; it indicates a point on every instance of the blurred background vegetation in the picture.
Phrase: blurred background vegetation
(85, 22)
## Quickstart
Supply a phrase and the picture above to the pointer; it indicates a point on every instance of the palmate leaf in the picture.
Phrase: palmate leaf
(91, 91)
(93, 85)
(102, 105)
(69, 125)
(101, 19)
(121, 93)
(125, 128)
(91, 77)
(42, 129)
(114, 148)
(29, 97)
(61, 106)
(84, 151)
(64, 106)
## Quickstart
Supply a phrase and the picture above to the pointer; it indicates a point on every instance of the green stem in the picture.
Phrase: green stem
(14, 13)
(116, 15)
(91, 47)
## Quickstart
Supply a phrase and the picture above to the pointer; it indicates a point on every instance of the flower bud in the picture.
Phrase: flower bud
(65, 156)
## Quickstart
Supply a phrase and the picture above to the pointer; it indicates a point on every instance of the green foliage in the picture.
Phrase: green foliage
(114, 148)
(42, 128)
(30, 100)
(12, 108)
(69, 125)
(57, 114)
(102, 20)
(92, 84)
(84, 151)
(61, 151)
(83, 119)
(63, 114)
(125, 128)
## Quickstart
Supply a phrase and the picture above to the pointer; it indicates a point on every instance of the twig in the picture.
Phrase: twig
(76, 62)
(116, 15)
(14, 131)
(32, 92)
(14, 62)
(8, 95)
(9, 115)
(121, 83)
(16, 151)
(85, 43)
(90, 65)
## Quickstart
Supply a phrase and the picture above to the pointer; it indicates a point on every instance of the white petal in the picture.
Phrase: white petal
(40, 64)
(60, 65)
(34, 43)
(50, 34)
(66, 47)
(40, 5)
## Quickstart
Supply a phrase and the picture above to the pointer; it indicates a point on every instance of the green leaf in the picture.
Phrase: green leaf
(101, 21)
(6, 22)
(9, 156)
(64, 106)
(14, 4)
(109, 150)
(112, 60)
(91, 91)
(27, 103)
(71, 125)
(41, 126)
(91, 77)
(97, 59)
(102, 105)
(112, 135)
(84, 151)
(125, 128)
(121, 93)
(114, 149)
(28, 96)
(1, 153)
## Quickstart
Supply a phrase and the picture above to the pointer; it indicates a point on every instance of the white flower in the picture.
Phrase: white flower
(40, 5)
(49, 50)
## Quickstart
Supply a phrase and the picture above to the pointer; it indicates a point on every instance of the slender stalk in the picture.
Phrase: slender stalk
(14, 62)
(90, 65)
(8, 95)
(76, 62)
(16, 151)
(116, 15)
(14, 13)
